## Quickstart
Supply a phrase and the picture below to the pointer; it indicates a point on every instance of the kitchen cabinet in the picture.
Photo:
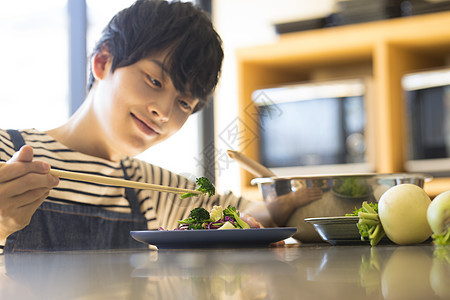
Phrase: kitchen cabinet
(383, 50)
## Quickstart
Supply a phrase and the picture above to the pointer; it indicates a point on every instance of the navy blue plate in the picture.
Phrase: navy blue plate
(227, 238)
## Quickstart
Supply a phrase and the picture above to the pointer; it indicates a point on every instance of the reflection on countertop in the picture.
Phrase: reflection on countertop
(305, 272)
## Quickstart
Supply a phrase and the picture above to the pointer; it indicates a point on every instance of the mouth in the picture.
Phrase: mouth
(145, 126)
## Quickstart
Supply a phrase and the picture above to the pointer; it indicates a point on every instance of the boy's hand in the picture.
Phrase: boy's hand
(251, 221)
(24, 185)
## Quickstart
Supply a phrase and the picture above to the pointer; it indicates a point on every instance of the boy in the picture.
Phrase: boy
(155, 64)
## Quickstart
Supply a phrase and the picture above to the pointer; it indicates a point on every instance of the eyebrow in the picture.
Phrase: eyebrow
(161, 65)
(166, 71)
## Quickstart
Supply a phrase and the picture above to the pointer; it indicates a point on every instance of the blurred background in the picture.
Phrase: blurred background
(45, 49)
(45, 56)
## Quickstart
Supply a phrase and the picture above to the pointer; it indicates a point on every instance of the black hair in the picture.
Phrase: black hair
(148, 26)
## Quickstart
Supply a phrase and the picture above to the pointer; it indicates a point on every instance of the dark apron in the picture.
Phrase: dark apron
(77, 227)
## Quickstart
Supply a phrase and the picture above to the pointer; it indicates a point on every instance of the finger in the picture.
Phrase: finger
(27, 184)
(251, 221)
(29, 207)
(277, 244)
(30, 197)
(21, 217)
(25, 154)
(15, 169)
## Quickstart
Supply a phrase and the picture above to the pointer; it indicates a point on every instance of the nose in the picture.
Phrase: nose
(160, 116)
(162, 108)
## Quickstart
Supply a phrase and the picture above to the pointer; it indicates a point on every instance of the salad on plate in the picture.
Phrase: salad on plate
(218, 218)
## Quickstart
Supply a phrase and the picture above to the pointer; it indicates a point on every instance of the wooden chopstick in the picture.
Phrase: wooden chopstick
(250, 165)
(117, 182)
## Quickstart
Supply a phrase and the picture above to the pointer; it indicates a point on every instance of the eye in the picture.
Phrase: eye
(185, 105)
(155, 82)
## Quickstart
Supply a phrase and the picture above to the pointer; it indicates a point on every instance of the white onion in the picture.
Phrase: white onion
(438, 214)
(403, 213)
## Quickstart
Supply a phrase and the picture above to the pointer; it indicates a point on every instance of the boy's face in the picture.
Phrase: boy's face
(138, 106)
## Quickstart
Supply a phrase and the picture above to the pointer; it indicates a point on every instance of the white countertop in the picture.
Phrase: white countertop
(304, 272)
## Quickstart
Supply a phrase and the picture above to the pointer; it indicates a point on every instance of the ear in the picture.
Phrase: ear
(100, 63)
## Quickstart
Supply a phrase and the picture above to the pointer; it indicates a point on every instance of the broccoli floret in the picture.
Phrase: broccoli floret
(197, 217)
(200, 214)
(204, 186)
(233, 213)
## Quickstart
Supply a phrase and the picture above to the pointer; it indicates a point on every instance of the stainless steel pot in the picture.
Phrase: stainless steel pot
(329, 195)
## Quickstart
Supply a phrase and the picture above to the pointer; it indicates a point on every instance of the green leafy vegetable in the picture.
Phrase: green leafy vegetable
(197, 217)
(369, 224)
(353, 187)
(204, 186)
(200, 214)
(441, 239)
(233, 213)
(218, 218)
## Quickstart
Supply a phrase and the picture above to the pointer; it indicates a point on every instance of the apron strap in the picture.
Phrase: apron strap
(16, 138)
(130, 193)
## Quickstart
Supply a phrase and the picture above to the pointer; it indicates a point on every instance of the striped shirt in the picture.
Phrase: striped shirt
(160, 209)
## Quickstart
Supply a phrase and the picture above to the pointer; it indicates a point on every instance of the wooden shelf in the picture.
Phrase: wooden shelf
(383, 50)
